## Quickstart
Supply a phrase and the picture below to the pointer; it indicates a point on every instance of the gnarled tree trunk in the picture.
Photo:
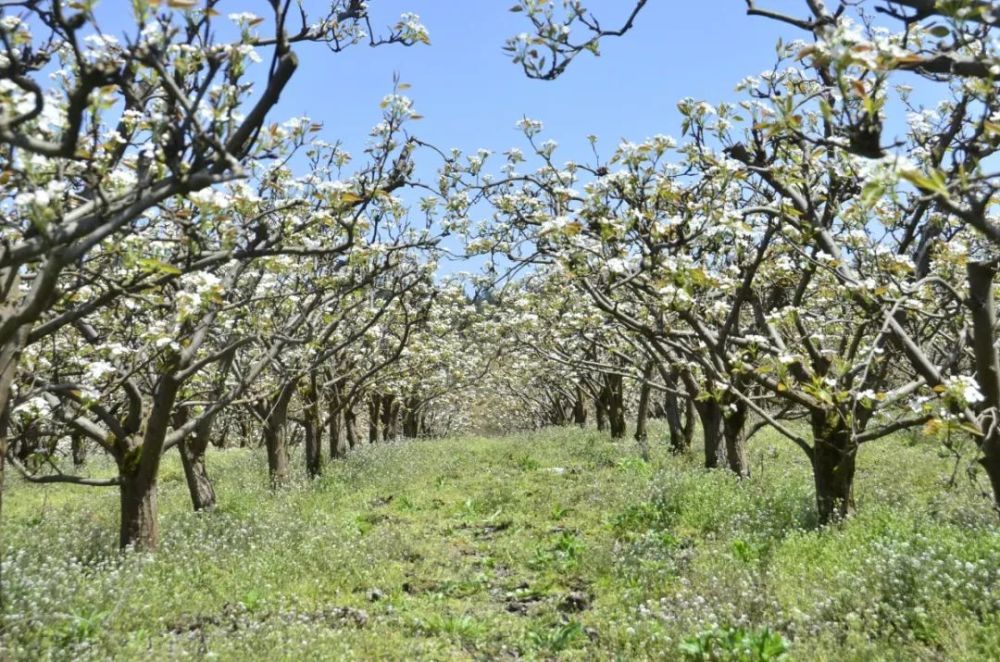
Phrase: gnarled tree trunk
(192, 451)
(601, 411)
(138, 461)
(734, 418)
(10, 357)
(140, 526)
(79, 449)
(679, 441)
(374, 409)
(411, 418)
(390, 418)
(710, 414)
(313, 429)
(579, 409)
(338, 445)
(616, 405)
(196, 474)
(351, 425)
(274, 429)
(642, 414)
(690, 421)
(984, 324)
(833, 460)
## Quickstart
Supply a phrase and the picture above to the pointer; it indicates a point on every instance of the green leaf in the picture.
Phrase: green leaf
(157, 266)
(933, 181)
(872, 193)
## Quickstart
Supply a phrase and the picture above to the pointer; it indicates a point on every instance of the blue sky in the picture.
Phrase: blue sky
(471, 94)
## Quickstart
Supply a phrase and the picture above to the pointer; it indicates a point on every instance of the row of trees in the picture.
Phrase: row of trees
(788, 260)
(177, 270)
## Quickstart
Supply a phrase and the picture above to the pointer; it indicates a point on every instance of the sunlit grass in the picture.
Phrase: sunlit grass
(560, 543)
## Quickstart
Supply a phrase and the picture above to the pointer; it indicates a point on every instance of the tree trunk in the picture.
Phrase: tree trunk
(390, 418)
(411, 418)
(386, 416)
(337, 414)
(679, 442)
(990, 461)
(139, 525)
(192, 451)
(79, 449)
(579, 409)
(556, 413)
(221, 440)
(374, 406)
(244, 425)
(984, 324)
(833, 461)
(710, 415)
(338, 445)
(4, 425)
(196, 473)
(351, 426)
(690, 420)
(313, 448)
(616, 406)
(275, 432)
(313, 430)
(276, 442)
(138, 461)
(600, 412)
(642, 414)
(10, 357)
(734, 417)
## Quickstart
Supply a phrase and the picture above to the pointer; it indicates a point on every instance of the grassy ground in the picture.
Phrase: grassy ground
(557, 544)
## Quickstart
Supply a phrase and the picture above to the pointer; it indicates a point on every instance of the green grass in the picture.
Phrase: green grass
(559, 544)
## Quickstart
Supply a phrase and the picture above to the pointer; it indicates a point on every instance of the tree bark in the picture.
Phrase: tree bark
(390, 418)
(411, 418)
(710, 415)
(351, 426)
(616, 405)
(139, 523)
(79, 449)
(690, 420)
(196, 473)
(10, 357)
(274, 429)
(642, 414)
(833, 461)
(734, 417)
(313, 429)
(600, 412)
(374, 407)
(338, 445)
(557, 414)
(138, 461)
(192, 451)
(679, 441)
(579, 409)
(984, 324)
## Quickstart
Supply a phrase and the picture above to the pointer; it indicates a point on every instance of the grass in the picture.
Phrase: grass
(559, 544)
